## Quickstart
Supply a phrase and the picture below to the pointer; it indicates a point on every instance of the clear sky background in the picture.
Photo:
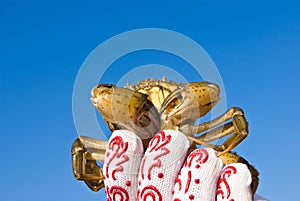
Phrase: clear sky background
(255, 46)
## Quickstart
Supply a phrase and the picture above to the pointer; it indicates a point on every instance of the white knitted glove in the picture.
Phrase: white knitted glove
(164, 173)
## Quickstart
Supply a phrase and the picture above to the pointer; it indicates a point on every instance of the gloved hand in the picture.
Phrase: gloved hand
(164, 172)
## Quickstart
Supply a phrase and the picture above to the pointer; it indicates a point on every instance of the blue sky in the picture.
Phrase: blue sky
(255, 47)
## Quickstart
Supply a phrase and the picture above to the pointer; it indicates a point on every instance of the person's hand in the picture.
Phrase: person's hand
(164, 172)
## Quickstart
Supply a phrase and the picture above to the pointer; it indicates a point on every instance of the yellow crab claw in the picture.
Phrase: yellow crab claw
(123, 108)
(190, 102)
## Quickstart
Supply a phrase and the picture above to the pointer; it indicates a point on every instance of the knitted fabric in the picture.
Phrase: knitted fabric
(234, 183)
(159, 168)
(198, 177)
(121, 165)
(156, 176)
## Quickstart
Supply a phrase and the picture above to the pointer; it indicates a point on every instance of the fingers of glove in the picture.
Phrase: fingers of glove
(160, 165)
(234, 183)
(198, 177)
(121, 164)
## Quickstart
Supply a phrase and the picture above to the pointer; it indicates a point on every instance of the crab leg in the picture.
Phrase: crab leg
(84, 162)
(95, 148)
(238, 128)
(213, 135)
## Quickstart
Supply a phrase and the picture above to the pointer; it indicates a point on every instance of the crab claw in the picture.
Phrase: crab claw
(190, 102)
(122, 108)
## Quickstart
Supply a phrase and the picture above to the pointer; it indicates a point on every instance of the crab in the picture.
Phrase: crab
(152, 105)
